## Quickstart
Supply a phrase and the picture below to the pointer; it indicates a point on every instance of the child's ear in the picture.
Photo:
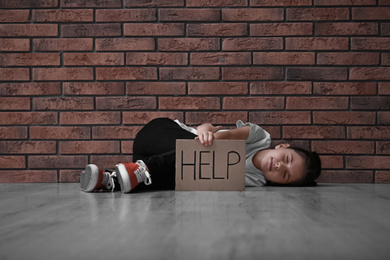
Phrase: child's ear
(279, 146)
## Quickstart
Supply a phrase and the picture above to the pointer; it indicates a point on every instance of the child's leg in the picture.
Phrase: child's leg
(155, 144)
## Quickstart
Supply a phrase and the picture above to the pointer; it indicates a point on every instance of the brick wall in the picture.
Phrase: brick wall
(79, 78)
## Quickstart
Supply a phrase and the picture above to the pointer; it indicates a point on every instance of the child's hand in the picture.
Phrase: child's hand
(206, 133)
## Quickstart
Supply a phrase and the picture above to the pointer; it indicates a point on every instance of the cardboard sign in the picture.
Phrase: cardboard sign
(217, 167)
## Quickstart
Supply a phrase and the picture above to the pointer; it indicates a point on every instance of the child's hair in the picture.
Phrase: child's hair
(312, 168)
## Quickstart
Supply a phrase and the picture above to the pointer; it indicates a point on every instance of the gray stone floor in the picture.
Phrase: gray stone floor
(331, 221)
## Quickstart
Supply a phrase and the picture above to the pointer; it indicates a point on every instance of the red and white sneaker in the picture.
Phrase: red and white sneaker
(131, 174)
(96, 179)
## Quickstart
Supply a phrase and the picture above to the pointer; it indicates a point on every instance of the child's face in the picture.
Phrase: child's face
(281, 165)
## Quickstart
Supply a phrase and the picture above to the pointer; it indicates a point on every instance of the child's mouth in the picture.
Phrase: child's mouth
(270, 164)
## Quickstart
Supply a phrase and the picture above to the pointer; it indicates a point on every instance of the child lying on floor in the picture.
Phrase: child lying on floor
(154, 158)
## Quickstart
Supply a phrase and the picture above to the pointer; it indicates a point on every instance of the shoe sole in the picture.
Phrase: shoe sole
(89, 178)
(123, 178)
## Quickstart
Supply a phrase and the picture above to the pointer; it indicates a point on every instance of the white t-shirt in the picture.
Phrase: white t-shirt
(258, 140)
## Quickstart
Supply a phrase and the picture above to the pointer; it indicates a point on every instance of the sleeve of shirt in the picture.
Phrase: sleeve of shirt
(256, 134)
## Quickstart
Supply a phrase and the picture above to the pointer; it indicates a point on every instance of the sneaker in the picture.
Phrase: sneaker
(131, 174)
(95, 179)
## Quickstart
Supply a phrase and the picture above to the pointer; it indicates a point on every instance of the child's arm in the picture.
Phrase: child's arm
(207, 133)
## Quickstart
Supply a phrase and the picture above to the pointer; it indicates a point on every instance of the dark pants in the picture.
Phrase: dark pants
(155, 144)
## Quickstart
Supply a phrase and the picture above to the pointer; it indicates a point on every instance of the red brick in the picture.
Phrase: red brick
(91, 3)
(317, 43)
(91, 30)
(345, 88)
(14, 44)
(126, 73)
(154, 3)
(383, 2)
(386, 59)
(314, 103)
(28, 118)
(385, 29)
(62, 132)
(125, 44)
(30, 59)
(94, 88)
(18, 74)
(370, 103)
(28, 176)
(382, 177)
(344, 2)
(28, 30)
(69, 44)
(283, 58)
(90, 118)
(145, 117)
(28, 4)
(13, 132)
(345, 177)
(190, 14)
(348, 58)
(221, 58)
(371, 43)
(12, 162)
(280, 118)
(344, 118)
(217, 29)
(216, 3)
(281, 3)
(156, 58)
(15, 103)
(69, 176)
(317, 14)
(368, 162)
(57, 162)
(94, 59)
(313, 132)
(127, 147)
(115, 132)
(317, 73)
(125, 103)
(371, 13)
(125, 15)
(346, 28)
(252, 73)
(155, 88)
(14, 16)
(369, 73)
(30, 89)
(383, 147)
(193, 103)
(59, 74)
(189, 73)
(153, 29)
(384, 88)
(28, 147)
(343, 147)
(188, 44)
(253, 103)
(332, 162)
(89, 147)
(384, 118)
(368, 132)
(109, 161)
(217, 88)
(280, 88)
(281, 29)
(216, 118)
(63, 15)
(252, 14)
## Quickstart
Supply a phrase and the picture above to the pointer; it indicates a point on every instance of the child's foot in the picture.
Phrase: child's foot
(131, 174)
(95, 179)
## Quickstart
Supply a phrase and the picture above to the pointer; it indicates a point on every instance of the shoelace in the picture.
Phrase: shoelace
(146, 178)
(110, 181)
